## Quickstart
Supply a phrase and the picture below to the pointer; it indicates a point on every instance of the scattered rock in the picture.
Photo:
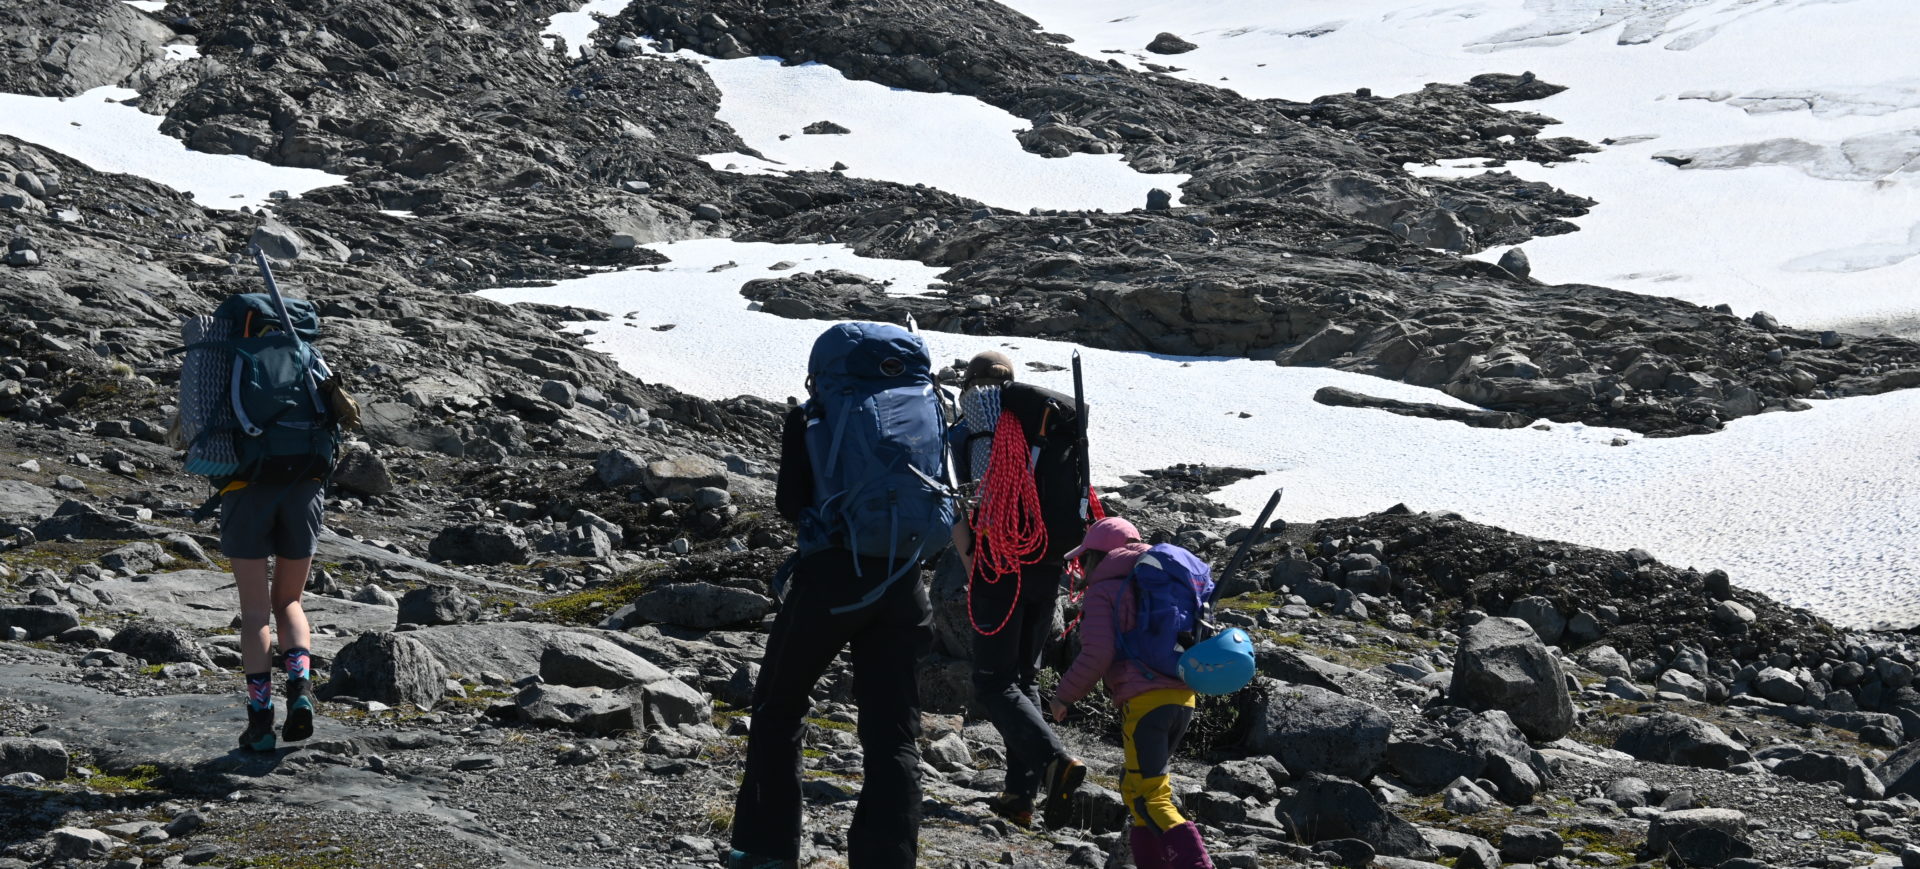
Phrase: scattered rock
(363, 472)
(595, 711)
(583, 661)
(1322, 807)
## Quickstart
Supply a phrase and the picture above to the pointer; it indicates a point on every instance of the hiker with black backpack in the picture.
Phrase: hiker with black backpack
(864, 477)
(1156, 705)
(1020, 445)
(260, 417)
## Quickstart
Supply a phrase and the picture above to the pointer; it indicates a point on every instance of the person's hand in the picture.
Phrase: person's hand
(1058, 709)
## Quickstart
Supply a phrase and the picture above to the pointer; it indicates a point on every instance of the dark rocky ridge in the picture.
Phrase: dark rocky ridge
(1304, 241)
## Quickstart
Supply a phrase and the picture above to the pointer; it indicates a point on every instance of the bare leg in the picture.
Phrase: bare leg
(250, 577)
(289, 582)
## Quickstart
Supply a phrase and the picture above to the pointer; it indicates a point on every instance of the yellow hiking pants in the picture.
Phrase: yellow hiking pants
(1151, 726)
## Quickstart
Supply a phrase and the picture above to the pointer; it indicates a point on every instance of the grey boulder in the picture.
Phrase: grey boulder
(677, 478)
(389, 668)
(481, 543)
(1503, 665)
(595, 711)
(699, 605)
(1313, 730)
(46, 758)
(1668, 737)
(363, 472)
(438, 605)
(39, 622)
(1322, 807)
(158, 643)
(583, 661)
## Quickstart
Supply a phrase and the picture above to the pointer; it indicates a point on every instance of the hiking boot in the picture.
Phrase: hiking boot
(1063, 777)
(299, 724)
(259, 733)
(744, 860)
(1016, 810)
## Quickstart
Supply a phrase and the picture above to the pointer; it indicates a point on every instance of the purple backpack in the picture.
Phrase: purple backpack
(1171, 588)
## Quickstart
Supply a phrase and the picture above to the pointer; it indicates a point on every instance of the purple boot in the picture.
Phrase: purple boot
(1184, 848)
(1149, 852)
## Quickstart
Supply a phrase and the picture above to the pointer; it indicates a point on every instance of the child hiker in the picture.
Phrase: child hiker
(1154, 709)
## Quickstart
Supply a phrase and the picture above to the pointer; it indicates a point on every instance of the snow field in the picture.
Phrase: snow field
(1818, 509)
(1698, 76)
(99, 130)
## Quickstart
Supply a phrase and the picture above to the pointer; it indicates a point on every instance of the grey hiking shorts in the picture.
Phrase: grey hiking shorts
(264, 520)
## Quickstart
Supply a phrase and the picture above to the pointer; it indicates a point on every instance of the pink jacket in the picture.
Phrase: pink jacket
(1105, 612)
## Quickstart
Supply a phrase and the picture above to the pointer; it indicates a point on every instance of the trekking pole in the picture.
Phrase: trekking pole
(1246, 546)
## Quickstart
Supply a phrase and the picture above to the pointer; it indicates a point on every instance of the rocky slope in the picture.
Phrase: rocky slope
(540, 609)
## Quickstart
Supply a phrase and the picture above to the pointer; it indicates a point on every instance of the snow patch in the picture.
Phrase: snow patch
(1778, 499)
(953, 143)
(577, 27)
(147, 5)
(100, 130)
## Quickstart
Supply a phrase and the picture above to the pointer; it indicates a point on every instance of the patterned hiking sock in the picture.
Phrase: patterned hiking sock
(299, 672)
(260, 690)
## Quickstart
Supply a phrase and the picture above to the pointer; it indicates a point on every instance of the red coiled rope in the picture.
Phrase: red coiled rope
(1007, 531)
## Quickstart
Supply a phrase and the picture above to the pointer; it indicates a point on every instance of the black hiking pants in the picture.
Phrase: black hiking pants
(887, 639)
(1006, 669)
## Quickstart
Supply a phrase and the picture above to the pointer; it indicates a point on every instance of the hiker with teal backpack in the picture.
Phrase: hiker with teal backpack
(864, 478)
(260, 417)
(1143, 631)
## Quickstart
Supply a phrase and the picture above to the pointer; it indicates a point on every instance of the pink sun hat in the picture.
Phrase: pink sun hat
(1106, 535)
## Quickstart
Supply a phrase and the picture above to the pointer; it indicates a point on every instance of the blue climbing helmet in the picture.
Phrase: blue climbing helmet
(1220, 664)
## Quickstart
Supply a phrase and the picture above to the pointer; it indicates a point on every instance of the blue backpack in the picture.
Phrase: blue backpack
(1171, 587)
(876, 439)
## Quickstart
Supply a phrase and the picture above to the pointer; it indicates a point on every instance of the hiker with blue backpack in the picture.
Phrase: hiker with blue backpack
(260, 417)
(1022, 449)
(864, 478)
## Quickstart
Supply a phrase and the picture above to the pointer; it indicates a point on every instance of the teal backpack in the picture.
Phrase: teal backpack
(254, 392)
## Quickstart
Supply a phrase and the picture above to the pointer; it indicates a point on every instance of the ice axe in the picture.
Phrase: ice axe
(1246, 546)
